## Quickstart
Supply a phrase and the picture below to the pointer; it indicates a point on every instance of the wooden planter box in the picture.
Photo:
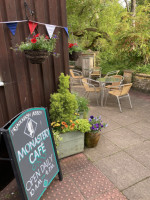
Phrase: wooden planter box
(72, 143)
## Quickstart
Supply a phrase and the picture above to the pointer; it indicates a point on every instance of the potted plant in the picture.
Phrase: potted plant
(38, 48)
(63, 106)
(74, 51)
(92, 137)
(83, 108)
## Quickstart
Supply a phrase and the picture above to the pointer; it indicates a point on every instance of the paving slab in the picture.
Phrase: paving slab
(123, 137)
(91, 182)
(125, 119)
(141, 153)
(122, 170)
(74, 163)
(112, 195)
(103, 149)
(63, 190)
(82, 181)
(139, 191)
(141, 130)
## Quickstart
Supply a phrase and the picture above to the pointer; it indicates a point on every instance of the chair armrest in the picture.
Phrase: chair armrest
(93, 80)
(77, 72)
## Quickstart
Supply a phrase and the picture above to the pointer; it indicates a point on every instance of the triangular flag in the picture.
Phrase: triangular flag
(32, 26)
(12, 27)
(66, 29)
(50, 29)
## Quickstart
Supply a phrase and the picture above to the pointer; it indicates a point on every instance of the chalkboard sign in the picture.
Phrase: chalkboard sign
(31, 146)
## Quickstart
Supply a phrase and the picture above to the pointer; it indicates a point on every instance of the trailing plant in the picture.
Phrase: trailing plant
(57, 138)
(81, 125)
(38, 42)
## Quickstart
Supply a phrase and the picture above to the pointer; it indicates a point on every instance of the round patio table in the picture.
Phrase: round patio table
(103, 82)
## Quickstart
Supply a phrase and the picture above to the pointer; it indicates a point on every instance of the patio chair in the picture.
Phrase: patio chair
(95, 72)
(112, 73)
(115, 84)
(76, 76)
(91, 88)
(122, 92)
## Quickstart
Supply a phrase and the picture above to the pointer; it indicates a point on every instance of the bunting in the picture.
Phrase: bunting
(50, 29)
(32, 26)
(66, 29)
(12, 27)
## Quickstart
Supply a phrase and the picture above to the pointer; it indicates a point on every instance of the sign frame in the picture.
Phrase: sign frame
(12, 154)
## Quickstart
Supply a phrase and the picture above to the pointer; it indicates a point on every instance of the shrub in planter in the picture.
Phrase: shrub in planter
(63, 106)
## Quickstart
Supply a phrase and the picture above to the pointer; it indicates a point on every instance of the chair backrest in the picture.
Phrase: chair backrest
(125, 89)
(119, 80)
(96, 70)
(112, 73)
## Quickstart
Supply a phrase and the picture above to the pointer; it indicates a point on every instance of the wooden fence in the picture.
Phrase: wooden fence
(27, 85)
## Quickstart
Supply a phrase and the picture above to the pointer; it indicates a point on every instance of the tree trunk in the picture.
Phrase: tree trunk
(133, 10)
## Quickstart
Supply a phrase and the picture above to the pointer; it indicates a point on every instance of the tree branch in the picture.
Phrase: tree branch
(127, 5)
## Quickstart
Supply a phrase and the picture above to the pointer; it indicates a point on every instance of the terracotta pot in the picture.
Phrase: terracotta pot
(36, 56)
(91, 139)
(74, 56)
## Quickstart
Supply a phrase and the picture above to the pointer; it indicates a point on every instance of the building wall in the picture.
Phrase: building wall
(27, 85)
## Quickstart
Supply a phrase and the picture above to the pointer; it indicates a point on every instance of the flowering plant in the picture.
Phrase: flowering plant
(73, 47)
(39, 42)
(76, 125)
(96, 124)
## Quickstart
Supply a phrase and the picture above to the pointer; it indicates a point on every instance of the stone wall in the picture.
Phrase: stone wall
(141, 82)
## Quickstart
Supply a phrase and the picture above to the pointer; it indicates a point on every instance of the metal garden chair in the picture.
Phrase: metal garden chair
(122, 92)
(95, 72)
(91, 88)
(76, 76)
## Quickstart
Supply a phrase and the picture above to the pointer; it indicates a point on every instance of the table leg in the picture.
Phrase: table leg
(102, 93)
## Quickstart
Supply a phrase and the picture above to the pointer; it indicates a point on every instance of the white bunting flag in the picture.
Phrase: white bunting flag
(50, 29)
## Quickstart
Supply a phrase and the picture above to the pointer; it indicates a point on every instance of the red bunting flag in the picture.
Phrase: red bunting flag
(32, 26)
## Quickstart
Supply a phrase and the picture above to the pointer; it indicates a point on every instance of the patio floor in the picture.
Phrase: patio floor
(118, 168)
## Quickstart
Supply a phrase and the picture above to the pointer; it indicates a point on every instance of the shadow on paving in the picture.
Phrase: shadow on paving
(82, 180)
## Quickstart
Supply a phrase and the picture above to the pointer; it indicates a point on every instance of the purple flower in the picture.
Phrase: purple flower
(97, 125)
(54, 36)
(91, 117)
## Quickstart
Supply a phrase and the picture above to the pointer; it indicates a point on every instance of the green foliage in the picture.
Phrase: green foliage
(133, 42)
(57, 138)
(38, 43)
(82, 103)
(83, 125)
(106, 27)
(145, 69)
(63, 104)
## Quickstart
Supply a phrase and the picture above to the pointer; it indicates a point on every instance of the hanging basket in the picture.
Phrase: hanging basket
(36, 56)
(74, 56)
